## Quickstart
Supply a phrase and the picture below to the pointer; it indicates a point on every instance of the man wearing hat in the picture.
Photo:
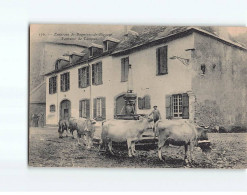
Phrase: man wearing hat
(156, 114)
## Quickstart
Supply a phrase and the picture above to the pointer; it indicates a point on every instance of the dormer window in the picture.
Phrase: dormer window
(90, 51)
(95, 50)
(105, 45)
(76, 57)
(62, 62)
(110, 43)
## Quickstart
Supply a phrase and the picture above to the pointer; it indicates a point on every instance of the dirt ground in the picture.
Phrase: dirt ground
(47, 150)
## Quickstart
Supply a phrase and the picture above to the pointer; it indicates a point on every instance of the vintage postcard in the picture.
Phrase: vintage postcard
(137, 96)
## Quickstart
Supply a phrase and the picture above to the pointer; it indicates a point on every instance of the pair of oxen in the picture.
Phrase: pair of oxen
(168, 132)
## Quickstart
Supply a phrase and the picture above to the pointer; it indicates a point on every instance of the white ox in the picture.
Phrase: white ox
(178, 133)
(124, 130)
(85, 130)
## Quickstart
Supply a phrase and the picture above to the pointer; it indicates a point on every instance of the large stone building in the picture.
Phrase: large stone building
(189, 73)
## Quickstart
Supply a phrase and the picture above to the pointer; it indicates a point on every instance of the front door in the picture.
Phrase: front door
(65, 109)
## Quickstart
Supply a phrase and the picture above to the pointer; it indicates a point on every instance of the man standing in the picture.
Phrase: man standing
(156, 117)
(156, 114)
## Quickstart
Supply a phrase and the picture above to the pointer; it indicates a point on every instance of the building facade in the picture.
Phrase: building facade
(189, 74)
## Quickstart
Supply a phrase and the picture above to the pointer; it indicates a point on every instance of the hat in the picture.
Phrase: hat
(155, 106)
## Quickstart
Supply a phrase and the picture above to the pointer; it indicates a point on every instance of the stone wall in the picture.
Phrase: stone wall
(220, 91)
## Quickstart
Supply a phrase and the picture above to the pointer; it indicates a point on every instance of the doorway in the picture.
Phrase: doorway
(65, 109)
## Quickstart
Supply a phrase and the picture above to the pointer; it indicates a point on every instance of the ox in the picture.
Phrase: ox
(178, 133)
(63, 126)
(85, 130)
(123, 130)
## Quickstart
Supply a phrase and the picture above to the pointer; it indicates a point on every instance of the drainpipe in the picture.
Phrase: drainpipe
(58, 106)
(90, 90)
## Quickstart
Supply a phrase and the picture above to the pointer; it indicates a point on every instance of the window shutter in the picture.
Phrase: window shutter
(68, 82)
(55, 84)
(185, 100)
(163, 60)
(140, 103)
(49, 85)
(122, 70)
(100, 77)
(79, 78)
(88, 108)
(93, 74)
(126, 70)
(165, 70)
(103, 108)
(94, 108)
(168, 107)
(80, 108)
(88, 76)
(158, 61)
(147, 102)
(61, 82)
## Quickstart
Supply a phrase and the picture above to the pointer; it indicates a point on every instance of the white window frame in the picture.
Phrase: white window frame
(177, 106)
(99, 107)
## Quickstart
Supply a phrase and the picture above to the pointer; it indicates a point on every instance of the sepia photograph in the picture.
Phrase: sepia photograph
(137, 96)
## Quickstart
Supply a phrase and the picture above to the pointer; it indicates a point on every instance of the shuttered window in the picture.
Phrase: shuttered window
(65, 81)
(84, 108)
(144, 102)
(53, 85)
(83, 77)
(124, 69)
(99, 108)
(161, 58)
(97, 74)
(177, 106)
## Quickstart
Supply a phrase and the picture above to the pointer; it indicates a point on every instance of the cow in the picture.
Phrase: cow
(63, 126)
(122, 131)
(179, 133)
(85, 130)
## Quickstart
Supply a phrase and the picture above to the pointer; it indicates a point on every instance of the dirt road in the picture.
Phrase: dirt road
(46, 149)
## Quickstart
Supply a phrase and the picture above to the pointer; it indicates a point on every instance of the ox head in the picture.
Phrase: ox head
(93, 121)
(202, 139)
(146, 117)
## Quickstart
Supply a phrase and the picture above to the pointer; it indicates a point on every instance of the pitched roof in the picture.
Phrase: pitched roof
(149, 37)
(111, 39)
(156, 36)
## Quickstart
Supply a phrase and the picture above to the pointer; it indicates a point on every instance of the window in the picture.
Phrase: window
(124, 69)
(105, 45)
(203, 69)
(65, 81)
(52, 108)
(97, 73)
(177, 106)
(161, 58)
(90, 52)
(99, 111)
(144, 103)
(84, 108)
(83, 77)
(53, 85)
